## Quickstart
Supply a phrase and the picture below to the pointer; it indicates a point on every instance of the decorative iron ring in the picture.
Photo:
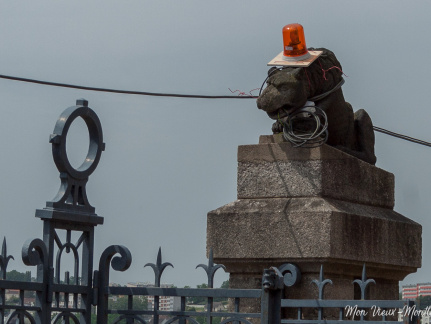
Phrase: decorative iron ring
(58, 140)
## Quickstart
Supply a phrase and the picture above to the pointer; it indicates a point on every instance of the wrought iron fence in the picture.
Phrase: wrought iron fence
(69, 222)
(275, 280)
(182, 314)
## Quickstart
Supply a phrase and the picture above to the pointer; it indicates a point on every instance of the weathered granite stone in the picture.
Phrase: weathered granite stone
(311, 207)
(281, 170)
(286, 229)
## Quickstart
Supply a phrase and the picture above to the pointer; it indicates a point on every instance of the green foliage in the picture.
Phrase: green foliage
(13, 300)
(203, 320)
(225, 284)
(197, 300)
(139, 303)
(21, 276)
(18, 276)
(111, 318)
(203, 300)
(71, 280)
(216, 320)
(423, 302)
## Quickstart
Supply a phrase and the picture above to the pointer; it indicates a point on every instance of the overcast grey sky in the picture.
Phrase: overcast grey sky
(168, 161)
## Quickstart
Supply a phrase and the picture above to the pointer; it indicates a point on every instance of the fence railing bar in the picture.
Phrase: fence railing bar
(186, 292)
(57, 299)
(21, 285)
(75, 300)
(71, 289)
(156, 310)
(183, 309)
(186, 313)
(3, 302)
(317, 303)
(70, 310)
(323, 321)
(236, 308)
(209, 310)
(19, 307)
(21, 297)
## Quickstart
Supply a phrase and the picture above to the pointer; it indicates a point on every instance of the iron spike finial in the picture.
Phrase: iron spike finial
(4, 259)
(3, 248)
(159, 267)
(321, 283)
(211, 269)
(364, 282)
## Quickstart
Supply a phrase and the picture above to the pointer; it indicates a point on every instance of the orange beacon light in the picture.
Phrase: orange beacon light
(294, 47)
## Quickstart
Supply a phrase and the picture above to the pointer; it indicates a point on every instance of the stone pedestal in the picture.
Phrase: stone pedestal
(311, 207)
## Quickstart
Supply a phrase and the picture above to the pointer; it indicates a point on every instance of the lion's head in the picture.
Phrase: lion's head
(289, 88)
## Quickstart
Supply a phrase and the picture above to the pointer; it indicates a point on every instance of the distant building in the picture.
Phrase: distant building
(113, 284)
(166, 303)
(414, 291)
(12, 294)
(139, 284)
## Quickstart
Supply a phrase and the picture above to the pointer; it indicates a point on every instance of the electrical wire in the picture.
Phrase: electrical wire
(404, 137)
(143, 93)
(287, 130)
(318, 136)
(294, 132)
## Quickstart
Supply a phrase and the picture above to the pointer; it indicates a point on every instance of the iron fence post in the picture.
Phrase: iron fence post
(70, 211)
(271, 297)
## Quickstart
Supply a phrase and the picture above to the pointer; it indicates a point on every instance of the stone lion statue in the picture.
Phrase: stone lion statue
(288, 89)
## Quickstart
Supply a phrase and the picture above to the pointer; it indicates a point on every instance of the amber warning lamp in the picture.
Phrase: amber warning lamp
(295, 52)
(295, 48)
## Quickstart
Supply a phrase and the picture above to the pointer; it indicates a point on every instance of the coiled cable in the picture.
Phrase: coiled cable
(306, 127)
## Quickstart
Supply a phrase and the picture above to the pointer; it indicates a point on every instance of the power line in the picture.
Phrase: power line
(157, 94)
(140, 93)
(404, 137)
